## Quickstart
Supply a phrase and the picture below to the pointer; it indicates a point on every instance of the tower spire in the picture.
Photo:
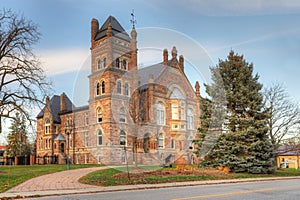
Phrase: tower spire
(133, 21)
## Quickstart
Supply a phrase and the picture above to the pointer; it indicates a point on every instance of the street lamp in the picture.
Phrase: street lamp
(68, 132)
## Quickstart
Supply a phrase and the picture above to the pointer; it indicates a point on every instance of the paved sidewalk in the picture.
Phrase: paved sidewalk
(66, 182)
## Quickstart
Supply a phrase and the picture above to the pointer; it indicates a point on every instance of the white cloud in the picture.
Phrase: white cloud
(242, 7)
(59, 61)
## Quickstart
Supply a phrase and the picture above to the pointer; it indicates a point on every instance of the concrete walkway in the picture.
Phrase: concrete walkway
(66, 182)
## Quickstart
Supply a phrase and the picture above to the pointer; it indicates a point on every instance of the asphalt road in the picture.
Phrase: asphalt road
(283, 189)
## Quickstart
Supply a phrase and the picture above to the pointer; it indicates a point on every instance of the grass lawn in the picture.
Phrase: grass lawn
(11, 176)
(110, 177)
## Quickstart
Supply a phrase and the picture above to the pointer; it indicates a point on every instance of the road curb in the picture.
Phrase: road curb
(135, 187)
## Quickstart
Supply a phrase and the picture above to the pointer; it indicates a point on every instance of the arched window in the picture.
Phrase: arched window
(175, 111)
(126, 89)
(104, 62)
(98, 89)
(119, 87)
(47, 126)
(99, 115)
(118, 63)
(122, 137)
(190, 119)
(102, 87)
(98, 64)
(122, 115)
(124, 64)
(99, 137)
(161, 140)
(160, 114)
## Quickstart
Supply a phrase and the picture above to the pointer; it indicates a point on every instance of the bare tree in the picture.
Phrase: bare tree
(23, 84)
(284, 114)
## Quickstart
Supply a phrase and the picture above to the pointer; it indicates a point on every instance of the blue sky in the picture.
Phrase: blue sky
(266, 32)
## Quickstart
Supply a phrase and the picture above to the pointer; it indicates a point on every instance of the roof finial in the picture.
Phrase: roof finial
(133, 21)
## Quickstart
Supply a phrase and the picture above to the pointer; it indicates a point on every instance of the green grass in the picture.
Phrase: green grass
(11, 176)
(105, 177)
(278, 173)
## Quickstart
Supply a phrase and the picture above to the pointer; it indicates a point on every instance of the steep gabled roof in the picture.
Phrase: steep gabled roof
(117, 29)
(54, 108)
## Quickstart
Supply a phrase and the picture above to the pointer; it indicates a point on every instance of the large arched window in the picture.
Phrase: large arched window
(98, 89)
(122, 137)
(124, 64)
(99, 137)
(161, 140)
(175, 111)
(126, 89)
(119, 87)
(190, 119)
(47, 126)
(122, 115)
(102, 87)
(160, 114)
(118, 63)
(104, 62)
(99, 114)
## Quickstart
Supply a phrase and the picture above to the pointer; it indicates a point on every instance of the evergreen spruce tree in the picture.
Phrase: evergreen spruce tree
(243, 144)
(17, 138)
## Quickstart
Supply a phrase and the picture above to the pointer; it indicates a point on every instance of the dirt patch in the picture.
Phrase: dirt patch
(2, 172)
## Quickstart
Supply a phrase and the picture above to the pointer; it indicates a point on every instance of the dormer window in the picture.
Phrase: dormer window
(47, 126)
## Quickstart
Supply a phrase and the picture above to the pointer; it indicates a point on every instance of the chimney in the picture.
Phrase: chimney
(109, 30)
(165, 57)
(47, 101)
(181, 63)
(63, 102)
(174, 53)
(94, 28)
(197, 87)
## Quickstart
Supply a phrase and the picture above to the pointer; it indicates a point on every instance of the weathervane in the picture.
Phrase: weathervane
(133, 21)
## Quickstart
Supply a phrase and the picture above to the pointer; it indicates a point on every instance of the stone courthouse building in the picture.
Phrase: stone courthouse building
(146, 116)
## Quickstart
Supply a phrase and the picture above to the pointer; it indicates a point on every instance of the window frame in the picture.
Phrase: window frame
(119, 87)
(160, 114)
(123, 140)
(99, 137)
(99, 115)
(122, 115)
(190, 119)
(161, 142)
